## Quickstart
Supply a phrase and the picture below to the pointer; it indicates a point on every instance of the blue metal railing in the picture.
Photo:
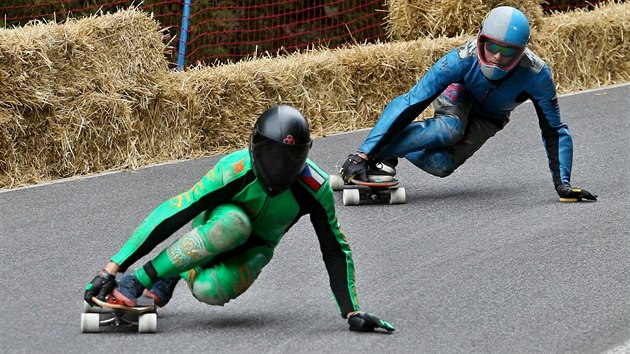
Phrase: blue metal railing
(183, 37)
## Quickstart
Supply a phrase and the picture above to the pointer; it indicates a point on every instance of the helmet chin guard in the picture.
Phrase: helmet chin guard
(506, 29)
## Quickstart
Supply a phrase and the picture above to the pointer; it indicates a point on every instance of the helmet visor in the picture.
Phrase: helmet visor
(498, 54)
(505, 51)
(278, 164)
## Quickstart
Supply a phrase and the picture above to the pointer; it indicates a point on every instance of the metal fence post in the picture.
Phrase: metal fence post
(183, 37)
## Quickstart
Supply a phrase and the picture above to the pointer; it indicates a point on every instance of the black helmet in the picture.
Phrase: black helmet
(278, 147)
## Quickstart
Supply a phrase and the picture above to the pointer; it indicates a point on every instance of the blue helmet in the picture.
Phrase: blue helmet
(505, 30)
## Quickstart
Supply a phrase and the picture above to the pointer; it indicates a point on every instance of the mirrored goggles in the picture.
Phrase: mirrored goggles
(494, 48)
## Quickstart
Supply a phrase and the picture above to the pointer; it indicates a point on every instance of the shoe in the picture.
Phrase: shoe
(383, 171)
(162, 290)
(128, 291)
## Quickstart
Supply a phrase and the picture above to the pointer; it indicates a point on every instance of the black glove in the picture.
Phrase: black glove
(101, 286)
(355, 167)
(367, 322)
(566, 191)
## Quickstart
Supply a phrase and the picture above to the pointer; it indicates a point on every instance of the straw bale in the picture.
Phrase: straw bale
(42, 64)
(378, 73)
(587, 48)
(68, 87)
(411, 19)
(223, 102)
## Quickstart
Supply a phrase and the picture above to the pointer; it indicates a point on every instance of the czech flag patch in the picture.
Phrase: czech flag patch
(312, 178)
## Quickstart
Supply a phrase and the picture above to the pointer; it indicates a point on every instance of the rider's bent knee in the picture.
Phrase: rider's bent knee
(226, 281)
(442, 173)
(451, 129)
(227, 228)
(438, 163)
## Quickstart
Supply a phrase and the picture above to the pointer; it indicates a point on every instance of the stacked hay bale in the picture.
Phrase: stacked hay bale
(69, 92)
(411, 19)
(587, 48)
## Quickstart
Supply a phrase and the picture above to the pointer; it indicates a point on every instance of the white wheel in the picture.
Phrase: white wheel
(90, 323)
(147, 323)
(336, 182)
(397, 196)
(351, 197)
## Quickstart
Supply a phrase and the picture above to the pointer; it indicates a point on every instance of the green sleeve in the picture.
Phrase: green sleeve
(177, 211)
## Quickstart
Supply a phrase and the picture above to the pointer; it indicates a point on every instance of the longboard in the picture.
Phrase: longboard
(360, 192)
(108, 313)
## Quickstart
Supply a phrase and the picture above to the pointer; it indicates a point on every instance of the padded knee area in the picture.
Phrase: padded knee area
(227, 227)
(226, 281)
(449, 129)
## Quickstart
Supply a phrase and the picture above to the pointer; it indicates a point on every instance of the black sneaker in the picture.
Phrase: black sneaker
(162, 290)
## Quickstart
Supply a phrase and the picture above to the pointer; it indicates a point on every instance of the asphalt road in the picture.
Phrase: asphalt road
(486, 260)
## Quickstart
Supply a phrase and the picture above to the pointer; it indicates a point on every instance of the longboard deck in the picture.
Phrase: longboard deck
(358, 183)
(137, 309)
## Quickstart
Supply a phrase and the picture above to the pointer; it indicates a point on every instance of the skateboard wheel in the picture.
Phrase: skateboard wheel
(336, 182)
(147, 323)
(351, 197)
(397, 196)
(90, 323)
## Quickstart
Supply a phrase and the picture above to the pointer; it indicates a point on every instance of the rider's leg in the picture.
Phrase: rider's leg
(224, 281)
(443, 161)
(222, 229)
(446, 128)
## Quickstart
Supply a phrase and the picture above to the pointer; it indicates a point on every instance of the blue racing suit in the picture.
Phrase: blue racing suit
(469, 109)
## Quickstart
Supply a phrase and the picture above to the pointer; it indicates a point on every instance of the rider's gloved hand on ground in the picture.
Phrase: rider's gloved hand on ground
(101, 286)
(566, 191)
(366, 322)
(355, 167)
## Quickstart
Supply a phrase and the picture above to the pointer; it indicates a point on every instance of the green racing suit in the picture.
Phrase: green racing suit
(235, 228)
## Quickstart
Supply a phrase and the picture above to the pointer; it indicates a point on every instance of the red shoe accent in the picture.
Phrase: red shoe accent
(119, 299)
(155, 298)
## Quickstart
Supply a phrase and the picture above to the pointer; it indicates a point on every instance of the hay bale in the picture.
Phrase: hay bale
(223, 102)
(411, 19)
(587, 48)
(42, 64)
(337, 90)
(378, 73)
(69, 91)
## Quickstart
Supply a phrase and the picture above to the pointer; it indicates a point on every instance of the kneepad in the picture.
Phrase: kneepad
(225, 228)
